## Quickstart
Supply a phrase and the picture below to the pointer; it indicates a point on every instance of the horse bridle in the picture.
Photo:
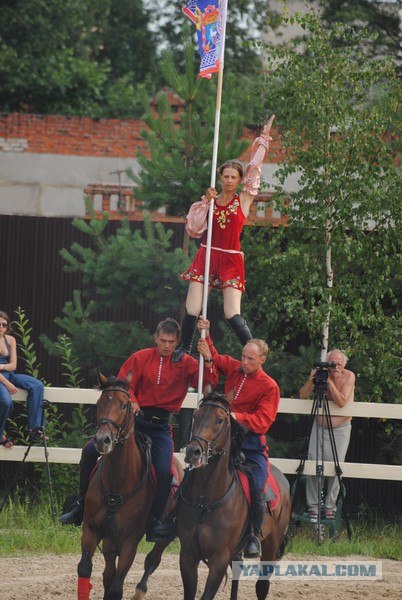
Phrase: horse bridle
(120, 438)
(209, 452)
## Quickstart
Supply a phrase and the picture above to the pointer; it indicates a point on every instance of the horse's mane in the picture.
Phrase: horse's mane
(218, 398)
(113, 382)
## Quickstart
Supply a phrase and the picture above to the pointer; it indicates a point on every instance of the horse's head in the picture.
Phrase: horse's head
(211, 431)
(114, 414)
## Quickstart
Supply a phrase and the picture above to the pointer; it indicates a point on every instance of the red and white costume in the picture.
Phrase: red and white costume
(254, 397)
(156, 381)
(227, 259)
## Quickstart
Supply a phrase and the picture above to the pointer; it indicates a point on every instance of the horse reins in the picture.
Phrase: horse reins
(119, 439)
(198, 506)
(208, 452)
(114, 500)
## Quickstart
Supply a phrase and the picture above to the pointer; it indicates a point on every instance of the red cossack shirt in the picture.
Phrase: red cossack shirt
(157, 381)
(254, 398)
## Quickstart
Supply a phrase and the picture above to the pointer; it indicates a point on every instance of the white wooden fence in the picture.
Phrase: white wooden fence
(287, 405)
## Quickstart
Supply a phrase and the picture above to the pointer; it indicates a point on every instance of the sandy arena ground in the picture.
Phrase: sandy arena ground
(54, 577)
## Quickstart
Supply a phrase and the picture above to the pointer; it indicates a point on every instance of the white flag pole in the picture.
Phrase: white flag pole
(213, 183)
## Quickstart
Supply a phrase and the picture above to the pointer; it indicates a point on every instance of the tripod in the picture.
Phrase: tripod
(32, 439)
(321, 417)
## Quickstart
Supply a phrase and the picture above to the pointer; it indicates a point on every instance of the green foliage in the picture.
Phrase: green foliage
(97, 343)
(66, 434)
(26, 346)
(181, 146)
(129, 267)
(96, 46)
(338, 146)
(102, 51)
(379, 18)
(30, 530)
(64, 348)
(65, 80)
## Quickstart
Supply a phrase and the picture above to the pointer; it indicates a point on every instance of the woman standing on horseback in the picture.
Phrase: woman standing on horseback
(231, 210)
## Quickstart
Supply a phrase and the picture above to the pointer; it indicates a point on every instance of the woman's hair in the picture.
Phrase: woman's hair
(232, 164)
(5, 316)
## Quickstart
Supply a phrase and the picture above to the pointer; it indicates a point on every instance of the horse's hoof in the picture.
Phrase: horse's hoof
(139, 595)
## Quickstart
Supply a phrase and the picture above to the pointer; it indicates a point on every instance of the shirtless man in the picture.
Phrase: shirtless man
(341, 388)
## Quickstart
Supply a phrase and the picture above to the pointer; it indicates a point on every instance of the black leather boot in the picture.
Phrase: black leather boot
(253, 546)
(187, 336)
(241, 329)
(75, 515)
(157, 530)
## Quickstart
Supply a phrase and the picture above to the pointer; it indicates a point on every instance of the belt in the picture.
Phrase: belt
(153, 418)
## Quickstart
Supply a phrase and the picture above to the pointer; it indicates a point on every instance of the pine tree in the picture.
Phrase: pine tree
(179, 169)
(132, 267)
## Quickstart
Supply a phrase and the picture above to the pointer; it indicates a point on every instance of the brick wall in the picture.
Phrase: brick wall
(83, 136)
(76, 136)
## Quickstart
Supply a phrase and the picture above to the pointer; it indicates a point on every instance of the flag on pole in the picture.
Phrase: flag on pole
(208, 17)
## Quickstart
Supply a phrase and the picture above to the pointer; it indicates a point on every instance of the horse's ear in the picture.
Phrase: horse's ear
(101, 378)
(207, 390)
(229, 396)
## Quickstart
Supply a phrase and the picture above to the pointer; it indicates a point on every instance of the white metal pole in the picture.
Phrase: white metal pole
(213, 183)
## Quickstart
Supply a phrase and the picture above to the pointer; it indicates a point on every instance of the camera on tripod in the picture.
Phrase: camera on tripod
(321, 375)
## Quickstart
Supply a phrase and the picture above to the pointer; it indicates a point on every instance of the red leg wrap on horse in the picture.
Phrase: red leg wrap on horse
(84, 588)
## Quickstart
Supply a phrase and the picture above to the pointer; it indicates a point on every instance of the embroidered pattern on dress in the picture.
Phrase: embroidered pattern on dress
(214, 280)
(223, 213)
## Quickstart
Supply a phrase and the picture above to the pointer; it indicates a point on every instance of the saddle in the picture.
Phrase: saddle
(144, 443)
(272, 495)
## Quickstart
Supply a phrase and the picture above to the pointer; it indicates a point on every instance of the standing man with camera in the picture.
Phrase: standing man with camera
(340, 389)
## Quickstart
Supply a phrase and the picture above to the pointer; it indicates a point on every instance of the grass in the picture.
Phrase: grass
(376, 539)
(28, 529)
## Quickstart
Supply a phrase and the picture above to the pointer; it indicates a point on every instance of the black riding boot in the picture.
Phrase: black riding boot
(157, 530)
(187, 336)
(241, 329)
(253, 546)
(87, 465)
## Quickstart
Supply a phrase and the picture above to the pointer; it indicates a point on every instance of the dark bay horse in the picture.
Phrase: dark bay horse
(119, 499)
(213, 513)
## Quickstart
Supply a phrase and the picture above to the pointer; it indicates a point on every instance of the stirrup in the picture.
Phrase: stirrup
(159, 531)
(253, 547)
(74, 517)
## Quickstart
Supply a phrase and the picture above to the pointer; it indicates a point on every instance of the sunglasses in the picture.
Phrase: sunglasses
(5, 325)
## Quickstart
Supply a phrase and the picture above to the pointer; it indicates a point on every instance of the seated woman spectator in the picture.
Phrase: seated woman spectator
(10, 381)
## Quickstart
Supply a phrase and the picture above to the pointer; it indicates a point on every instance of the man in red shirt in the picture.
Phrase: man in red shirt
(158, 384)
(254, 398)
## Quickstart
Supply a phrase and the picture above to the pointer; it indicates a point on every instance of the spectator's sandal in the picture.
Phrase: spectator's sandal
(313, 514)
(6, 442)
(330, 513)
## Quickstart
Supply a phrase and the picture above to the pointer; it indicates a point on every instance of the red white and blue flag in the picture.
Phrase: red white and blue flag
(208, 17)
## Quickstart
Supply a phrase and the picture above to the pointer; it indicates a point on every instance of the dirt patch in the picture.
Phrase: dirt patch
(53, 577)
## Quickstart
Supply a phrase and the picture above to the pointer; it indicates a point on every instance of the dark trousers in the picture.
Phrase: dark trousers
(161, 451)
(255, 451)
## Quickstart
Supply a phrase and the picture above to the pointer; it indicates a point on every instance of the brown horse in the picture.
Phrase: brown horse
(119, 498)
(213, 513)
